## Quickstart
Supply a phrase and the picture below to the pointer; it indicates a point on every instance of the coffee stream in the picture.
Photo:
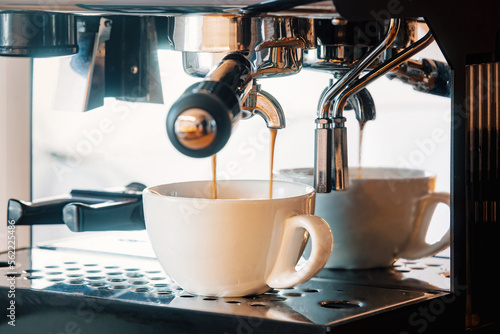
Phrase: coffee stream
(214, 179)
(361, 127)
(273, 133)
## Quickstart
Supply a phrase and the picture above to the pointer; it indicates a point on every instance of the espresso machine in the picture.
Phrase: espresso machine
(231, 47)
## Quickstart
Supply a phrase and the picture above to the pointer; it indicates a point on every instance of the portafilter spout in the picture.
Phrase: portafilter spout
(260, 102)
(199, 123)
(363, 105)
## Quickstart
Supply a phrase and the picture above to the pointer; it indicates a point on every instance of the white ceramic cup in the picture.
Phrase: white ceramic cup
(383, 216)
(239, 244)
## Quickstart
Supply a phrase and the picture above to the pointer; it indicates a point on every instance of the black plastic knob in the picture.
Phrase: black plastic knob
(199, 123)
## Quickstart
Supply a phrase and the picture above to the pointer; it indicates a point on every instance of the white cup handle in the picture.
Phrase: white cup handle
(283, 274)
(416, 247)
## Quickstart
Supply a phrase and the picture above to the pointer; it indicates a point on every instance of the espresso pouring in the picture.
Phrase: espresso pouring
(273, 134)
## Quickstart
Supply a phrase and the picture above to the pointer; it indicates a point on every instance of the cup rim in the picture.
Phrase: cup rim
(424, 174)
(307, 191)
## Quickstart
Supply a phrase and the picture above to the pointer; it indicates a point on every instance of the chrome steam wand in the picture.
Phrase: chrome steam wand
(327, 127)
(364, 111)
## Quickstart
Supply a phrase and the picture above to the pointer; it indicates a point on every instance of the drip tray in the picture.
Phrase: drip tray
(138, 286)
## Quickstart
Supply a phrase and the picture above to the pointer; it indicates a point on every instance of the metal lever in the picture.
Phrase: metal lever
(85, 210)
(41, 213)
(109, 216)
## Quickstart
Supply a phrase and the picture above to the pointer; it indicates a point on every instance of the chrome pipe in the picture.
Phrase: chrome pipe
(340, 170)
(324, 124)
(353, 73)
(376, 73)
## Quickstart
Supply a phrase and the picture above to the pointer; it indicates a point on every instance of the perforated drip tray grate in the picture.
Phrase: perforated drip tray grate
(428, 274)
(333, 297)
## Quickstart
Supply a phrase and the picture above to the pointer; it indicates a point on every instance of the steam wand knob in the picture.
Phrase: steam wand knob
(200, 122)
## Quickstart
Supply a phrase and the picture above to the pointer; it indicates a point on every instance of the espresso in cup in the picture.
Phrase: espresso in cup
(241, 243)
(384, 215)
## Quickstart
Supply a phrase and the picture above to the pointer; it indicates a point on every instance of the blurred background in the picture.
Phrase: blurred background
(125, 142)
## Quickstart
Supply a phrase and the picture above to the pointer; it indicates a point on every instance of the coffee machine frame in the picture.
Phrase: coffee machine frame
(469, 39)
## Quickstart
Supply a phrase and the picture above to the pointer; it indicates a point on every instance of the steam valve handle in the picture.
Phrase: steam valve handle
(199, 123)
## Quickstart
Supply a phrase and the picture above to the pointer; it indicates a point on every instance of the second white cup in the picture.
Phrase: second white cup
(383, 216)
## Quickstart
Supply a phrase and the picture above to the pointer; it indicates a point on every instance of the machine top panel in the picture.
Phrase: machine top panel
(159, 7)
